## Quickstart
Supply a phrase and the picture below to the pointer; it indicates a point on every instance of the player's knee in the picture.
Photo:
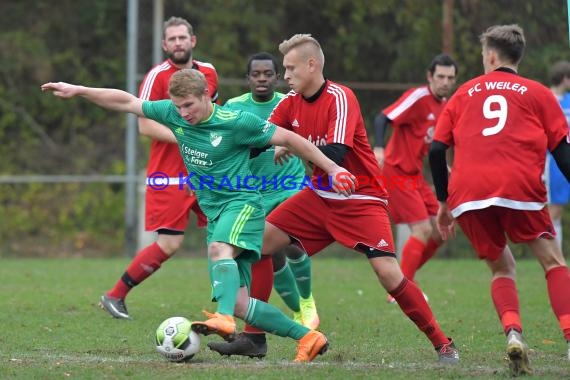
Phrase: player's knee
(170, 243)
(422, 230)
(279, 260)
(219, 251)
(274, 239)
(387, 271)
(552, 261)
(505, 266)
(293, 252)
(215, 251)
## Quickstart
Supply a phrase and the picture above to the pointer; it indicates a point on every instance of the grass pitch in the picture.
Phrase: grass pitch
(53, 329)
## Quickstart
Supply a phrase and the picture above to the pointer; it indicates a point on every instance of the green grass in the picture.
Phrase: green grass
(53, 329)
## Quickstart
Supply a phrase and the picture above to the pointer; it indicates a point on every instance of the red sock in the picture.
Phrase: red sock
(506, 300)
(411, 257)
(558, 283)
(429, 251)
(261, 284)
(412, 302)
(145, 263)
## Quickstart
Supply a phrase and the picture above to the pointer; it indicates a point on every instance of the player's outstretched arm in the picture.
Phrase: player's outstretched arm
(155, 130)
(343, 181)
(109, 98)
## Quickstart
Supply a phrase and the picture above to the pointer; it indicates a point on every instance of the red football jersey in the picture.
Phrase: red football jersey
(500, 125)
(333, 116)
(413, 117)
(165, 157)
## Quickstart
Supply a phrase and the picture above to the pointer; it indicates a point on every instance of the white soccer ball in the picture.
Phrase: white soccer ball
(175, 339)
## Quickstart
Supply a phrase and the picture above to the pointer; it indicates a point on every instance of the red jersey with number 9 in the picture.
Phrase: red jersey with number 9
(500, 125)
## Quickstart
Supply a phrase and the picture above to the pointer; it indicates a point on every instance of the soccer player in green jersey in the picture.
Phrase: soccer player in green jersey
(215, 145)
(291, 272)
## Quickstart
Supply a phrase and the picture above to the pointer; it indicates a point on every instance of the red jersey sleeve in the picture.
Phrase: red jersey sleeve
(279, 114)
(344, 115)
(443, 129)
(155, 83)
(211, 78)
(402, 111)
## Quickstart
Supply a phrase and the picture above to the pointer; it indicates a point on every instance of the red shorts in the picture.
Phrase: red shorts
(486, 228)
(411, 197)
(170, 209)
(316, 222)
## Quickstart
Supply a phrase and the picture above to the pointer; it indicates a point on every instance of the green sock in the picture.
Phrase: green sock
(301, 268)
(285, 285)
(225, 284)
(269, 318)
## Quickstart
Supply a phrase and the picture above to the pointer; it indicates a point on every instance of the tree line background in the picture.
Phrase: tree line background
(84, 41)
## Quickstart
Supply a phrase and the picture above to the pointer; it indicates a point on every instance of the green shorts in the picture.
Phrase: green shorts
(240, 225)
(272, 199)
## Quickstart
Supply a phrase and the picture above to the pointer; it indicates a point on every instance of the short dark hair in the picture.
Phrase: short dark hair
(559, 71)
(441, 60)
(263, 56)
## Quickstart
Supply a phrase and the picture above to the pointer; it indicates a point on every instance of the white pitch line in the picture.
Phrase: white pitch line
(229, 362)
